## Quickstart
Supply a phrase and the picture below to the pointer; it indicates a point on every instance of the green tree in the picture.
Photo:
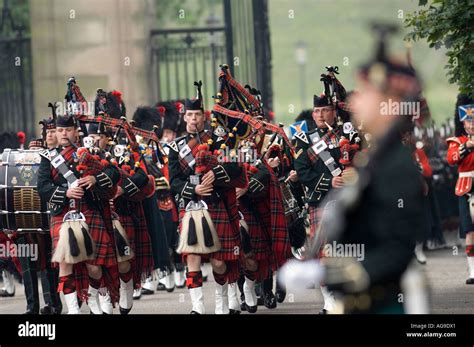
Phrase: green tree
(448, 23)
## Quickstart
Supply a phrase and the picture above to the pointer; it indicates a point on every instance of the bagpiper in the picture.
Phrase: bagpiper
(148, 119)
(166, 201)
(460, 153)
(265, 240)
(319, 161)
(280, 158)
(209, 219)
(81, 224)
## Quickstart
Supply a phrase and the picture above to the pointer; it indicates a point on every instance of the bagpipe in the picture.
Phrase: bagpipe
(233, 119)
(336, 94)
(75, 243)
(279, 146)
(129, 157)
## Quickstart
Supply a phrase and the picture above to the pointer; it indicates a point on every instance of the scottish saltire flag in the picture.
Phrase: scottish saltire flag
(297, 127)
(466, 112)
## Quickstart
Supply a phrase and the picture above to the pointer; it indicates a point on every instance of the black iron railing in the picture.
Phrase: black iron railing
(16, 82)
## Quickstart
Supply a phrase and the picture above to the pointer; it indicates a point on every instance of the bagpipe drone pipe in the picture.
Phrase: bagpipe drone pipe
(336, 95)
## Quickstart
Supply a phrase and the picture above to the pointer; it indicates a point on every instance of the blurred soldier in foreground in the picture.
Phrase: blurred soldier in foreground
(375, 219)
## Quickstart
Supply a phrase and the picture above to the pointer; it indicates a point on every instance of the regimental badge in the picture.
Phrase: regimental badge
(27, 174)
(347, 127)
(219, 131)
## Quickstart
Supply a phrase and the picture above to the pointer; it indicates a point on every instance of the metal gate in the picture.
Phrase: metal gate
(16, 81)
(181, 56)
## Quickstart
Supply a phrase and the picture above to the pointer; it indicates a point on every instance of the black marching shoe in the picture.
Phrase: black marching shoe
(231, 311)
(245, 307)
(269, 300)
(323, 311)
(147, 291)
(251, 309)
(48, 309)
(5, 294)
(280, 292)
(470, 281)
(124, 310)
(194, 312)
(280, 295)
(162, 287)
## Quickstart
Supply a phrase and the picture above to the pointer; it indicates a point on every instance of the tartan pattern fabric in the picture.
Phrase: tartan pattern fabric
(205, 161)
(68, 155)
(104, 242)
(99, 231)
(259, 240)
(272, 213)
(139, 238)
(167, 203)
(222, 205)
(111, 281)
(67, 284)
(193, 279)
(193, 144)
(226, 222)
(81, 276)
(312, 156)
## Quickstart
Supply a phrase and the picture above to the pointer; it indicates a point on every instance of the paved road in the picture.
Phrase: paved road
(446, 273)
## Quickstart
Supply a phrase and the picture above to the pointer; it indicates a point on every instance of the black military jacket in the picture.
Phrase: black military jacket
(312, 171)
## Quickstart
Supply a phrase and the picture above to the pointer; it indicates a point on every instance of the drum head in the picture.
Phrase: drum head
(20, 205)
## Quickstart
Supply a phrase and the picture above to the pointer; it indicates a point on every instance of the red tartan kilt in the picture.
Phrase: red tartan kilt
(258, 239)
(104, 244)
(140, 243)
(127, 224)
(229, 234)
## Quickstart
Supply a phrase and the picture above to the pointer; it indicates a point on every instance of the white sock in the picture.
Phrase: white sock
(329, 301)
(470, 263)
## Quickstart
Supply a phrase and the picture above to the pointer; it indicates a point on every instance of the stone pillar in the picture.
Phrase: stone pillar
(104, 44)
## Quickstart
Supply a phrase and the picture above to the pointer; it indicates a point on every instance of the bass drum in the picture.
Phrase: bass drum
(21, 208)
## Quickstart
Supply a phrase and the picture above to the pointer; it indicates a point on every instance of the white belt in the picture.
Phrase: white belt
(466, 174)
